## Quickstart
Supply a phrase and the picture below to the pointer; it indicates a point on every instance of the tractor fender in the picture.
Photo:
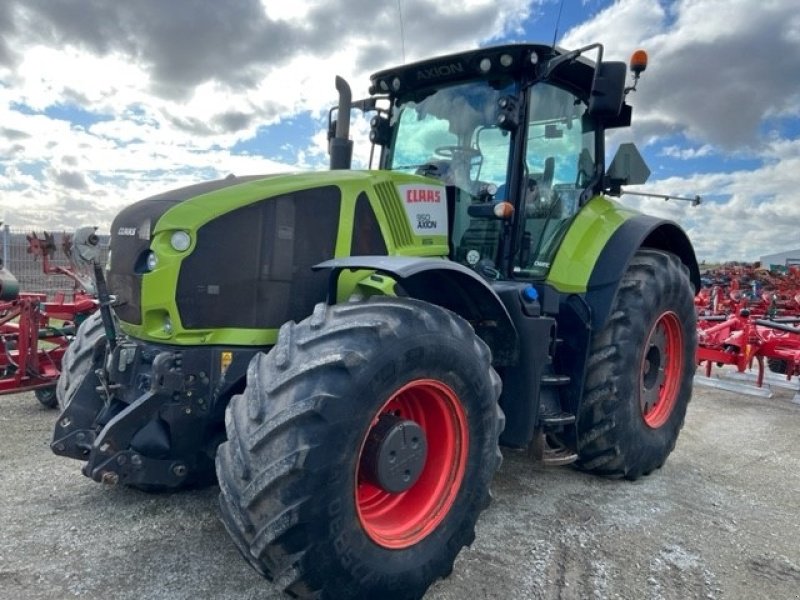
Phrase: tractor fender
(444, 283)
(640, 231)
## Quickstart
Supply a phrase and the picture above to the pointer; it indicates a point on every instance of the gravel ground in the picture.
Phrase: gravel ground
(720, 520)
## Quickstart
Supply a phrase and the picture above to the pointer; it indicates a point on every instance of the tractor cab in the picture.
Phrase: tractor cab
(453, 135)
(516, 135)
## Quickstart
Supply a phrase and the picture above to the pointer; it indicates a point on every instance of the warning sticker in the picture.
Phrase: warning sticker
(426, 207)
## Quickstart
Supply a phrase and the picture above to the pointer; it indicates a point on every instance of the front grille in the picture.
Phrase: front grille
(130, 241)
(251, 267)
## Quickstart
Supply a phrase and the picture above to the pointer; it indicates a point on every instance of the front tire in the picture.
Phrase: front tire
(640, 371)
(310, 489)
(83, 355)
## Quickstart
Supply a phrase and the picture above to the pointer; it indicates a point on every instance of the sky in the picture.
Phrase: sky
(104, 103)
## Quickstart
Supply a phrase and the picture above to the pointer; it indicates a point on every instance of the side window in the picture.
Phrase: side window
(560, 162)
(559, 153)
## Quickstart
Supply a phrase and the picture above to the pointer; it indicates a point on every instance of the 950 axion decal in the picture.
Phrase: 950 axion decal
(426, 207)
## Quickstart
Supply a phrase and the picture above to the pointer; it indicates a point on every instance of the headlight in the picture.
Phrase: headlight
(167, 325)
(180, 241)
(152, 261)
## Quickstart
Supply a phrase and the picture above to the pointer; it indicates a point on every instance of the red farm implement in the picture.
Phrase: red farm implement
(750, 319)
(761, 292)
(742, 339)
(35, 331)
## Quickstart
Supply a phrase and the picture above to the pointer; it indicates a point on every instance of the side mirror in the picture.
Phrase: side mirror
(627, 168)
(608, 89)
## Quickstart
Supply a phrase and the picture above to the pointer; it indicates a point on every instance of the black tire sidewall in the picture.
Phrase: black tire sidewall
(79, 361)
(350, 553)
(655, 443)
(47, 397)
(777, 365)
(613, 438)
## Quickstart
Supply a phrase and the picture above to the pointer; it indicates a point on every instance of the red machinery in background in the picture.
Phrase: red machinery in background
(35, 331)
(747, 317)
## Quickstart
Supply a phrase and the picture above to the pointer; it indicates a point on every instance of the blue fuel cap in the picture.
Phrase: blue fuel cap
(530, 294)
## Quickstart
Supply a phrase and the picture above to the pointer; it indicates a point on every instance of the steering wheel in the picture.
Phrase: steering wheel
(453, 151)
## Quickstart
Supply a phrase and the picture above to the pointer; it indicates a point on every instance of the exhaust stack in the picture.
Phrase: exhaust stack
(340, 146)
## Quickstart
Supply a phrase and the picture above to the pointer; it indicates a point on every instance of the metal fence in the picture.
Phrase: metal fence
(27, 267)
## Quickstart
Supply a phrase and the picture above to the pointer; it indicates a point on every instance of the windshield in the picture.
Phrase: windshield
(451, 135)
(447, 135)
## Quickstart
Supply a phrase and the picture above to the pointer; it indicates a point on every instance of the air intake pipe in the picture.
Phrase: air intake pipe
(340, 147)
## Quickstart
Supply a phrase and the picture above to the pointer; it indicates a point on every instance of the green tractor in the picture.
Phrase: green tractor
(346, 351)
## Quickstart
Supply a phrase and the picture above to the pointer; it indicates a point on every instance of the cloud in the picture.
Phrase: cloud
(688, 153)
(717, 68)
(6, 27)
(180, 44)
(719, 72)
(161, 92)
(744, 214)
(72, 180)
(13, 134)
(164, 90)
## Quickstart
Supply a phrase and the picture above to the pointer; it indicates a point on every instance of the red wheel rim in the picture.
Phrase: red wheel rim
(661, 370)
(401, 520)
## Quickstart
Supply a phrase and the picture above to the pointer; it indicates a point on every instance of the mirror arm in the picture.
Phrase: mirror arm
(551, 65)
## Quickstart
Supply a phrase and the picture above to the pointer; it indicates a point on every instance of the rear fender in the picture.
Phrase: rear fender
(582, 314)
(641, 231)
(444, 283)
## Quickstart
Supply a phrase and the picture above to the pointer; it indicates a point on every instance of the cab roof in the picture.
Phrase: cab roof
(499, 63)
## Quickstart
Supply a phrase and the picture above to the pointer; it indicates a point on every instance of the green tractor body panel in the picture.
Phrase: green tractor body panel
(580, 249)
(393, 228)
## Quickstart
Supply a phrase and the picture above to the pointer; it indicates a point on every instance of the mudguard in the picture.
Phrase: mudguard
(604, 240)
(447, 284)
(599, 245)
(641, 231)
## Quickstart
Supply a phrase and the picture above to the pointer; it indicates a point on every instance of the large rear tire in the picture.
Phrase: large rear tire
(640, 371)
(323, 488)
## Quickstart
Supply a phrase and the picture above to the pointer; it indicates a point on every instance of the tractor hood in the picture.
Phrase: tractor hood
(229, 261)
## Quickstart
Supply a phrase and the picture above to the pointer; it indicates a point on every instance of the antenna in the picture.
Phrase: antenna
(558, 21)
(402, 30)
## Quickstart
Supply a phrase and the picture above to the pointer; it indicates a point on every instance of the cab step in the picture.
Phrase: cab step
(550, 456)
(555, 380)
(554, 422)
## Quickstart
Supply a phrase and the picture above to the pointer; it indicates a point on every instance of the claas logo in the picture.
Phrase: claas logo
(420, 195)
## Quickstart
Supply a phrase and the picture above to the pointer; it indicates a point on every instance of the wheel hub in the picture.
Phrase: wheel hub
(660, 370)
(394, 454)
